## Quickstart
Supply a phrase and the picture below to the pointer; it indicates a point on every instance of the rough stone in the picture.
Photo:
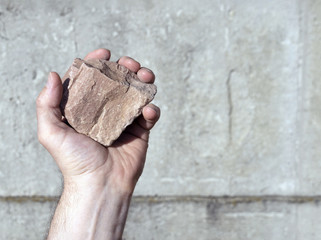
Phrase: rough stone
(101, 98)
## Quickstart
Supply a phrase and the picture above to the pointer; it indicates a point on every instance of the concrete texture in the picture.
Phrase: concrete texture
(238, 85)
(25, 219)
(184, 218)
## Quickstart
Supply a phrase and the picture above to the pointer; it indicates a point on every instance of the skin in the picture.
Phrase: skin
(98, 181)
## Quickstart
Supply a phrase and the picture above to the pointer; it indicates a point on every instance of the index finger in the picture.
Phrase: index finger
(100, 53)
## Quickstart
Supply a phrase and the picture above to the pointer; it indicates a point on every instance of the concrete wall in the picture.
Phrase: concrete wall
(236, 153)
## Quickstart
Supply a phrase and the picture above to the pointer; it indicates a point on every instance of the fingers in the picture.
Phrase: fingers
(129, 63)
(151, 113)
(144, 74)
(48, 110)
(100, 53)
(144, 123)
(149, 117)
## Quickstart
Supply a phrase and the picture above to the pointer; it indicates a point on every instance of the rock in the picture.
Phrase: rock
(101, 98)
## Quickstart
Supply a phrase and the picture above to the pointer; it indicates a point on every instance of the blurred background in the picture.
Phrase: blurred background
(236, 153)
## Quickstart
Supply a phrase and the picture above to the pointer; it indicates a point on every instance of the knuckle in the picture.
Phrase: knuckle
(44, 136)
(39, 101)
(41, 138)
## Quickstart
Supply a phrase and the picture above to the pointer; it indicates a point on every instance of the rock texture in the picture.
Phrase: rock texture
(102, 98)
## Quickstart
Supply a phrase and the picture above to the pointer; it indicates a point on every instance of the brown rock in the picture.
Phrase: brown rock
(100, 98)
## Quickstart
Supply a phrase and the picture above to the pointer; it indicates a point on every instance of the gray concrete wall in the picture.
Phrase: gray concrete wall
(236, 153)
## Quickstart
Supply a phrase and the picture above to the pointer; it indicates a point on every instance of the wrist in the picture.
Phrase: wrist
(92, 211)
(98, 184)
(95, 193)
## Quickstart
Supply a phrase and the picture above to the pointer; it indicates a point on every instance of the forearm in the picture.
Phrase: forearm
(91, 212)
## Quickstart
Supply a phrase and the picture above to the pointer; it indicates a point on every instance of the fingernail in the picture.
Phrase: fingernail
(148, 70)
(150, 108)
(49, 81)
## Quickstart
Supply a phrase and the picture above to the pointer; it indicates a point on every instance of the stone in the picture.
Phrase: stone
(101, 98)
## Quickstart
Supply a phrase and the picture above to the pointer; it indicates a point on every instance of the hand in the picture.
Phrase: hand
(84, 161)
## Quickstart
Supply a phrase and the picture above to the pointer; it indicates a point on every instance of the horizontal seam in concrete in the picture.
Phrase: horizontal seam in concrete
(191, 198)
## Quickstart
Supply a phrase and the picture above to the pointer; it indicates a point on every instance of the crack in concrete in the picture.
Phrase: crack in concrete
(230, 105)
(3, 33)
(188, 60)
(185, 198)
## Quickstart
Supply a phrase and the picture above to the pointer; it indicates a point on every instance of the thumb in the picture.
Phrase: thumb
(48, 111)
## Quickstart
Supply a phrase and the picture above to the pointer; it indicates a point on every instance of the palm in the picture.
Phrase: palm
(82, 155)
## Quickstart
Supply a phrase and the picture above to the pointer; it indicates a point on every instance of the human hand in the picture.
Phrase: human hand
(83, 161)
